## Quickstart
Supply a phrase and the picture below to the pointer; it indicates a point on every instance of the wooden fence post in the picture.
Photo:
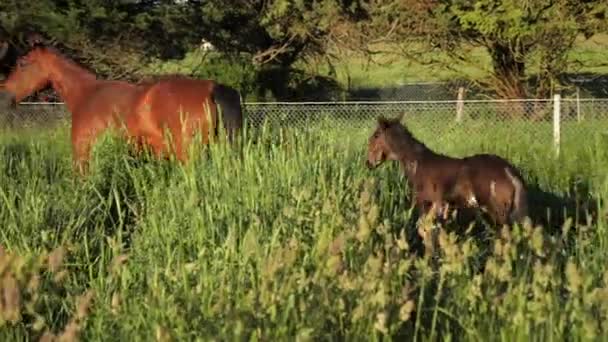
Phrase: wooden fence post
(578, 105)
(556, 122)
(460, 104)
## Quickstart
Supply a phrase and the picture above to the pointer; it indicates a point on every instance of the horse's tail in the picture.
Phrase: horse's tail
(519, 209)
(228, 101)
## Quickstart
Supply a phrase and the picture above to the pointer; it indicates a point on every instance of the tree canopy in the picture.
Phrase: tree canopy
(117, 38)
(512, 31)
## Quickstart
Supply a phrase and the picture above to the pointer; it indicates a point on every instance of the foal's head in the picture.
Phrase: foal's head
(391, 141)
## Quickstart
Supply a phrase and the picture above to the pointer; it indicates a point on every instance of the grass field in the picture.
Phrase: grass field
(389, 69)
(392, 70)
(294, 239)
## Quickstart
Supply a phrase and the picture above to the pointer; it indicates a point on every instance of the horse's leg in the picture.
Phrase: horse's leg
(80, 163)
(181, 143)
(81, 146)
(140, 146)
(86, 128)
(182, 136)
(81, 153)
(157, 144)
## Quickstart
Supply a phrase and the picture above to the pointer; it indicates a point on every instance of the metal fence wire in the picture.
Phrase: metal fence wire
(543, 115)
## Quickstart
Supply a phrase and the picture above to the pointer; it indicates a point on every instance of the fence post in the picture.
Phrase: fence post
(578, 105)
(556, 122)
(460, 104)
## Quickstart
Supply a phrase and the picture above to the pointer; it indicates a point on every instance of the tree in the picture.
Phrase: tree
(91, 32)
(274, 34)
(512, 32)
(118, 37)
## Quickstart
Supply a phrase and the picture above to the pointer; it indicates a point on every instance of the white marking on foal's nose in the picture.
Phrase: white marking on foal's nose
(493, 188)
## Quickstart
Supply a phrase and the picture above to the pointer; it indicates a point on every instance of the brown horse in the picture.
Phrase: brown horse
(144, 111)
(481, 181)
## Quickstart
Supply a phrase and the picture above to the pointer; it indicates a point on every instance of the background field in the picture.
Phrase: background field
(296, 238)
(393, 77)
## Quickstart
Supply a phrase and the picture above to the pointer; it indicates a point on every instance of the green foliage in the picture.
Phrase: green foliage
(255, 82)
(525, 41)
(295, 238)
(513, 32)
(117, 38)
(235, 71)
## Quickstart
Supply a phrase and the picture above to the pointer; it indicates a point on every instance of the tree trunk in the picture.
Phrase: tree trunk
(509, 71)
(276, 75)
(275, 79)
(509, 78)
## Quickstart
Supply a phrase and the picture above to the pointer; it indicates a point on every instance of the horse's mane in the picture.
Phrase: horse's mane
(402, 135)
(69, 63)
(150, 79)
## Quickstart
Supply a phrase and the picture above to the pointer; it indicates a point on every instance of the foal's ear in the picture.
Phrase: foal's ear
(399, 117)
(383, 122)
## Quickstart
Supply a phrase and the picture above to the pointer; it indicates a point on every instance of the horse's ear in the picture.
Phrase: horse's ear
(34, 40)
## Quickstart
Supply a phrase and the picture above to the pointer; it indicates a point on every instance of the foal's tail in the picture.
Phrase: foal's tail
(520, 198)
(229, 102)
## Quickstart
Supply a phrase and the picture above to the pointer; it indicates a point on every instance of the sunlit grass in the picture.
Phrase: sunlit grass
(391, 69)
(295, 239)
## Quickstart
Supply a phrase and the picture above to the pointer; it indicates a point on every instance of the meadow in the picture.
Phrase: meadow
(292, 237)
(390, 69)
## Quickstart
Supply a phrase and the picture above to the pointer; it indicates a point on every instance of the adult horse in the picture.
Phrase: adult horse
(482, 181)
(144, 111)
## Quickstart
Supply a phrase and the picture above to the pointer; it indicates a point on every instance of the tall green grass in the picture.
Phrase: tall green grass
(293, 238)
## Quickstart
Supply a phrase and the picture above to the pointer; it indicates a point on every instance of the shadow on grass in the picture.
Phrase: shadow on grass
(589, 84)
(551, 210)
(547, 209)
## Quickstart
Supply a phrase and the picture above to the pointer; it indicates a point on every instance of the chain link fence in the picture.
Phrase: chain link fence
(551, 119)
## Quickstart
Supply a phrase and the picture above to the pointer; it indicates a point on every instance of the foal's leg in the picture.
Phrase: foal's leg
(431, 207)
(499, 211)
(501, 202)
(429, 200)
(438, 205)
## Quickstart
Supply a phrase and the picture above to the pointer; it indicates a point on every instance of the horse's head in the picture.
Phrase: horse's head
(29, 75)
(379, 145)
